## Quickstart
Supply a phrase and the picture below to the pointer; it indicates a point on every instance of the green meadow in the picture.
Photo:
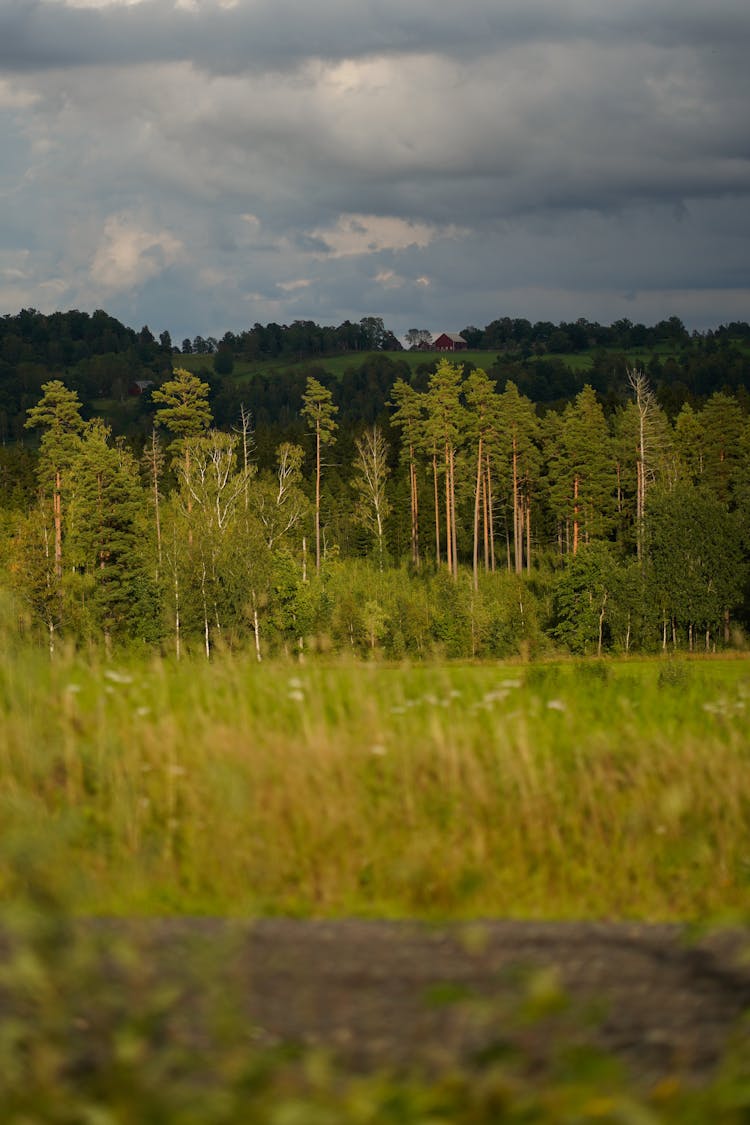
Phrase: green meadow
(604, 790)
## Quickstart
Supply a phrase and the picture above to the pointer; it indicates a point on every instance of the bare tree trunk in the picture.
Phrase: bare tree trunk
(490, 507)
(414, 509)
(317, 497)
(517, 529)
(601, 624)
(528, 534)
(256, 628)
(206, 630)
(177, 638)
(57, 509)
(575, 515)
(437, 510)
(485, 521)
(477, 491)
(453, 510)
(245, 420)
(448, 514)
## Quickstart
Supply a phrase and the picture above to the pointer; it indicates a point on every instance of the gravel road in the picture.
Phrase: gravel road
(404, 995)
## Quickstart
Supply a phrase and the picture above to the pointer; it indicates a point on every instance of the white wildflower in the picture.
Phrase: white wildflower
(297, 696)
(556, 705)
(118, 677)
(378, 749)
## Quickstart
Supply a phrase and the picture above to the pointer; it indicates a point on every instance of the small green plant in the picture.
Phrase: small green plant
(674, 674)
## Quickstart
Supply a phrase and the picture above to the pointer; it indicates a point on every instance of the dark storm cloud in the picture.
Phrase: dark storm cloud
(36, 34)
(202, 166)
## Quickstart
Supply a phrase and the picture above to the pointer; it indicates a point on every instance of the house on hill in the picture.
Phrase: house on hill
(140, 386)
(449, 342)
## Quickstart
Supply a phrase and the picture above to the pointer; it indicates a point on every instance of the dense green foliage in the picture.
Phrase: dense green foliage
(400, 509)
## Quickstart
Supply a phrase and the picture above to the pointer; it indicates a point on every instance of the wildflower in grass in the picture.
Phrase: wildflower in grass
(142, 712)
(72, 689)
(495, 696)
(296, 695)
(118, 677)
(556, 705)
(508, 684)
(378, 749)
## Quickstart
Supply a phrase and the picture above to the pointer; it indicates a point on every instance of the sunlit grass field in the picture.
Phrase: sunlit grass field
(572, 790)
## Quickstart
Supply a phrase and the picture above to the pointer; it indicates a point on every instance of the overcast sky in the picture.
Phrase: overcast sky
(200, 165)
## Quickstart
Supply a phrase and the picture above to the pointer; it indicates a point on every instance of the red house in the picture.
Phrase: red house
(449, 342)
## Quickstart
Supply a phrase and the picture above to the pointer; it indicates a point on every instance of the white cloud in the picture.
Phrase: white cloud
(293, 286)
(369, 234)
(13, 95)
(129, 254)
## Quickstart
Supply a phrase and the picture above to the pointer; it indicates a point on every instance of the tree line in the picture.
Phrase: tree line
(465, 522)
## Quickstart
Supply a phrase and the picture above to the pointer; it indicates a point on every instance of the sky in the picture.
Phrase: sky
(203, 165)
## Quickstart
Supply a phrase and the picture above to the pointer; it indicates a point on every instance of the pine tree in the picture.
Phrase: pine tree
(408, 416)
(104, 537)
(581, 471)
(184, 410)
(446, 427)
(59, 413)
(484, 425)
(518, 438)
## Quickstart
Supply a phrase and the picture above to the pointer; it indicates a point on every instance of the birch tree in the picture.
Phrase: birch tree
(319, 410)
(371, 474)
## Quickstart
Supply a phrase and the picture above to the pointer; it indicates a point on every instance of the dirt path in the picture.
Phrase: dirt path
(404, 995)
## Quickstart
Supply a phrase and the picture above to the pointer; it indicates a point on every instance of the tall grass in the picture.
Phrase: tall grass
(596, 790)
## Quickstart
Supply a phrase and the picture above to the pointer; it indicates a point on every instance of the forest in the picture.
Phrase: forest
(580, 491)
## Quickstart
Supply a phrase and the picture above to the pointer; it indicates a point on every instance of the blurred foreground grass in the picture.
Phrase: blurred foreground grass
(91, 1035)
(598, 790)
